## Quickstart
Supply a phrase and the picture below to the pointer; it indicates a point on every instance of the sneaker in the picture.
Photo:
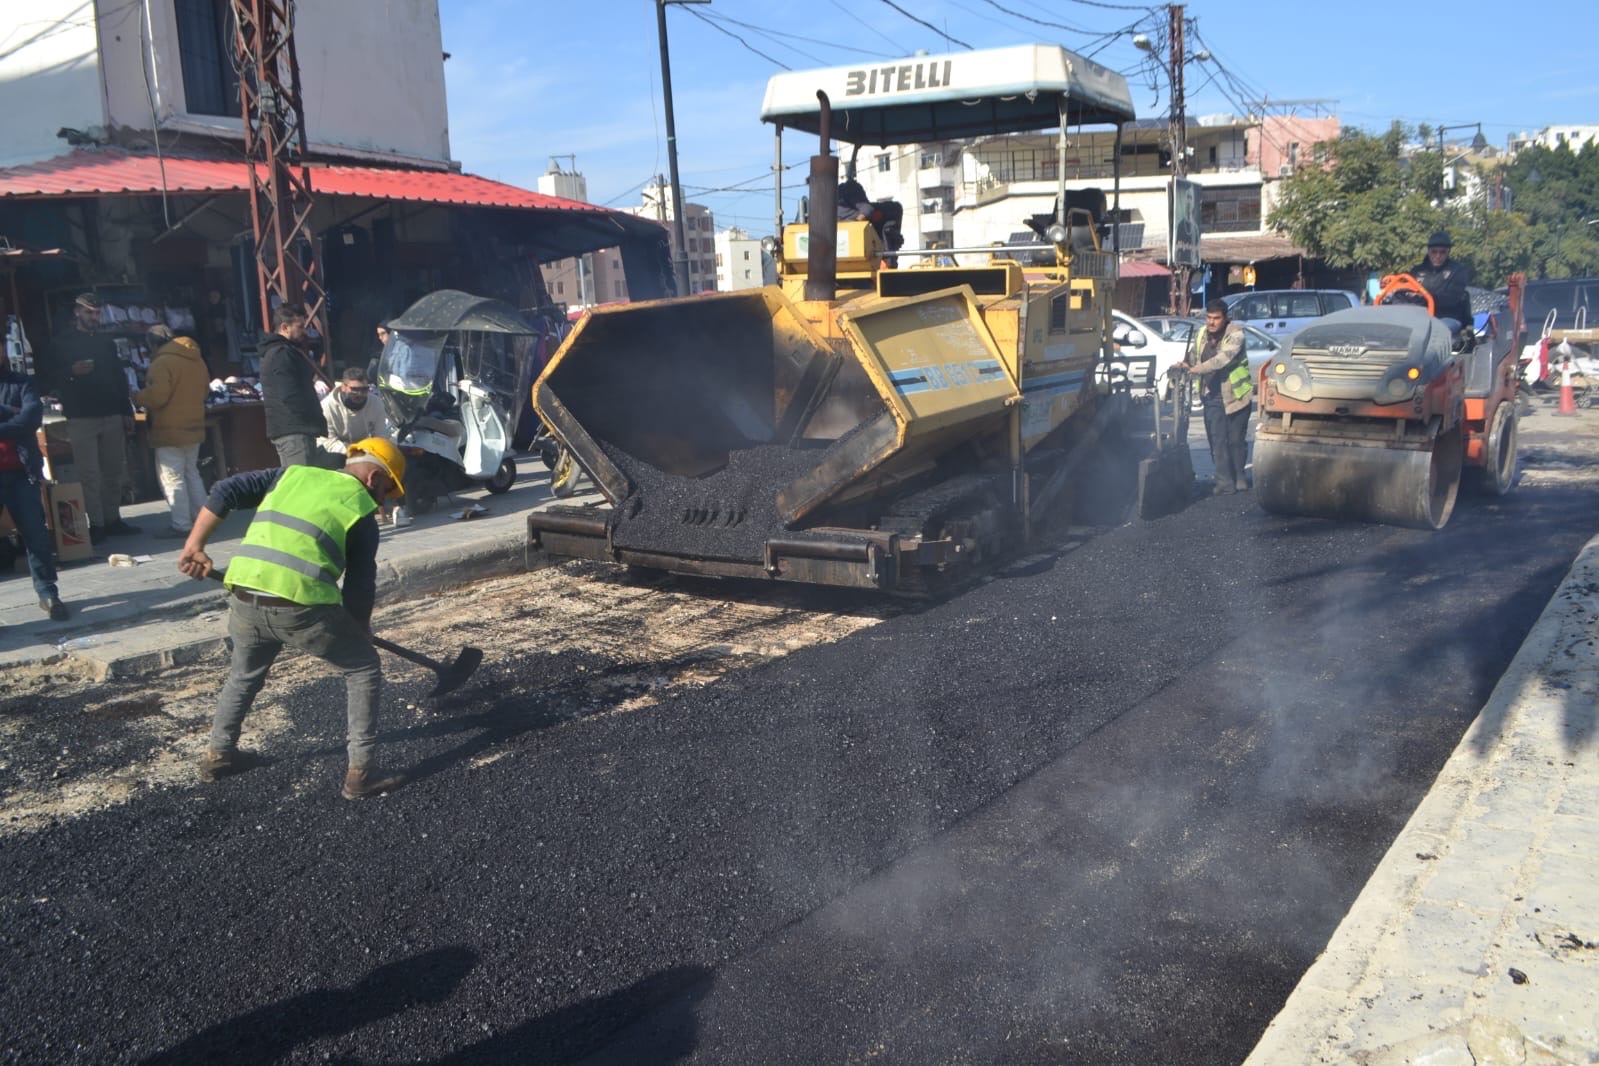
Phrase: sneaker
(52, 606)
(364, 784)
(172, 533)
(119, 528)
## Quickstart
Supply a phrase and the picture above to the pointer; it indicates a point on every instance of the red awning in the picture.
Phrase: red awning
(84, 173)
(1142, 268)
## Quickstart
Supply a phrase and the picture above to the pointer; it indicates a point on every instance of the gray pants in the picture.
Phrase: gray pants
(100, 458)
(327, 632)
(301, 449)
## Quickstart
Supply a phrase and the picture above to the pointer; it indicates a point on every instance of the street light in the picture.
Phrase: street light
(1478, 143)
(680, 255)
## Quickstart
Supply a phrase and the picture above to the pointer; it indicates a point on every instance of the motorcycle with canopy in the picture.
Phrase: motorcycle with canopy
(454, 378)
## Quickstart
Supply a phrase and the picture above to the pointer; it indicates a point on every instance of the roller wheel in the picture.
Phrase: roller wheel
(504, 477)
(1501, 455)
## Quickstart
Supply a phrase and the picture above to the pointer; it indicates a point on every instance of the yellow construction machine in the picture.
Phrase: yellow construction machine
(854, 425)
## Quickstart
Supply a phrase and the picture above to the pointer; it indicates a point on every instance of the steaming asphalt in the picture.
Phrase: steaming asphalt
(1104, 808)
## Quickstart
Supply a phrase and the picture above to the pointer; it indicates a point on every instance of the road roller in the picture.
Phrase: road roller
(1379, 413)
(883, 417)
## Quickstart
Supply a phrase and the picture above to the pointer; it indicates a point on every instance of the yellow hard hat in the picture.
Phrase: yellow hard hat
(388, 456)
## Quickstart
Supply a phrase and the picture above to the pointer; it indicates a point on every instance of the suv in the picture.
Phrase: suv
(1282, 312)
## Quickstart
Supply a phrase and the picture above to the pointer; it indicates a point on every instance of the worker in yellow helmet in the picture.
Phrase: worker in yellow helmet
(311, 526)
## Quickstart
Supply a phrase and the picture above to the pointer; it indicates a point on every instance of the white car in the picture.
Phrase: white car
(1134, 339)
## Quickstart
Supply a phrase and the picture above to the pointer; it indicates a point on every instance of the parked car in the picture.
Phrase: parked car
(1259, 345)
(1283, 312)
(1139, 338)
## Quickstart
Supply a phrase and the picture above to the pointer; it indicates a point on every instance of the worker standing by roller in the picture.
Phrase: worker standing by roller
(1226, 389)
(311, 526)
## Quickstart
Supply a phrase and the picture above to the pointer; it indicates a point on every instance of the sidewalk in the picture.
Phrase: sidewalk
(128, 621)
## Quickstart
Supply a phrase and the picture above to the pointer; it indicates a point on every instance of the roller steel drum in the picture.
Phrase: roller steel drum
(1361, 479)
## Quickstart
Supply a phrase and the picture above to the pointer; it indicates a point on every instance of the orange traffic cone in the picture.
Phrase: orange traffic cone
(1568, 399)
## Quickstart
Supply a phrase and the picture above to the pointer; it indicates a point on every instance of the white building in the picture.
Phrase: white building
(1552, 137)
(740, 262)
(371, 72)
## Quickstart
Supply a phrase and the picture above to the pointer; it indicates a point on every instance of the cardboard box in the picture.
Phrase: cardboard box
(68, 521)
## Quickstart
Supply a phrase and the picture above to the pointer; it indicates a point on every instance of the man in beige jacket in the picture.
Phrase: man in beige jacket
(174, 394)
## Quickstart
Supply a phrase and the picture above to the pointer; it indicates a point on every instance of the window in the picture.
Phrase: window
(1057, 314)
(560, 288)
(746, 275)
(1334, 301)
(882, 164)
(618, 287)
(718, 259)
(1293, 153)
(205, 49)
(746, 255)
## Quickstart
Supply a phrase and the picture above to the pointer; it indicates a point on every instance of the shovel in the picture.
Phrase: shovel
(451, 676)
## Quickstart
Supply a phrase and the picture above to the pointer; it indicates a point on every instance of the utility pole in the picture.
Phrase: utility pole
(1179, 151)
(680, 252)
(275, 151)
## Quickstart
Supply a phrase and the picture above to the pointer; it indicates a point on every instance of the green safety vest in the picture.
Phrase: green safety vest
(1238, 378)
(295, 546)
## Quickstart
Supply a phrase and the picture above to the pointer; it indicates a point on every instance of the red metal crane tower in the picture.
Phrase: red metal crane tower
(288, 262)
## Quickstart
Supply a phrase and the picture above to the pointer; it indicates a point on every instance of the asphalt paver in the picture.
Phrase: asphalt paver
(1105, 807)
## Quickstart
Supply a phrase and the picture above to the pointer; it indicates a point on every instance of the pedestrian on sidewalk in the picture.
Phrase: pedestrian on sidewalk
(311, 525)
(1217, 355)
(288, 389)
(21, 474)
(351, 413)
(86, 373)
(175, 388)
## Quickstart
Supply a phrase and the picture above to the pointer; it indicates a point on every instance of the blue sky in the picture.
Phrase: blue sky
(529, 80)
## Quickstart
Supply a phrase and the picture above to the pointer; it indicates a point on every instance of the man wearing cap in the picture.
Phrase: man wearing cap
(1446, 279)
(310, 526)
(21, 472)
(85, 372)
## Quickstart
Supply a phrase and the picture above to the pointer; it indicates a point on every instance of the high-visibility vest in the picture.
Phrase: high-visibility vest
(1236, 377)
(295, 546)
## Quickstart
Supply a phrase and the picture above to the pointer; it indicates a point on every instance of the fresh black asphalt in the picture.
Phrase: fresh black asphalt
(1103, 808)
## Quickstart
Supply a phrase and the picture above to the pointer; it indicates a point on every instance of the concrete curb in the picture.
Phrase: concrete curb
(1477, 938)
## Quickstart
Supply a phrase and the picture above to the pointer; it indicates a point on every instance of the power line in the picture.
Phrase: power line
(1038, 22)
(868, 25)
(774, 34)
(736, 37)
(929, 25)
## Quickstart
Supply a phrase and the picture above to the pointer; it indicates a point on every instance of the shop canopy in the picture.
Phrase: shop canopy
(561, 228)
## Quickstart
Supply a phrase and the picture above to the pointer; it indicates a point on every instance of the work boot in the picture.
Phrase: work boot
(364, 783)
(52, 606)
(1222, 488)
(214, 765)
(1241, 485)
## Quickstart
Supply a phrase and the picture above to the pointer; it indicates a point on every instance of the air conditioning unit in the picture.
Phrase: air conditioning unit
(1286, 170)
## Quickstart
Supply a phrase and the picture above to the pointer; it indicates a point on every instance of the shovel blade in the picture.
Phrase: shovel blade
(456, 673)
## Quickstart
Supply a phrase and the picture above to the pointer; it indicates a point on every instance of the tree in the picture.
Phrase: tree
(1374, 206)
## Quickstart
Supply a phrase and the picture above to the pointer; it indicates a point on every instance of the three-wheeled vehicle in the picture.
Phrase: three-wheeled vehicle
(448, 377)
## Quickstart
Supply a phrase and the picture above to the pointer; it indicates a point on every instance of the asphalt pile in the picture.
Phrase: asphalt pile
(1103, 808)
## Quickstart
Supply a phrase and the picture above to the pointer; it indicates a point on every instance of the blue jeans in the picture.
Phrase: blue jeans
(326, 631)
(20, 498)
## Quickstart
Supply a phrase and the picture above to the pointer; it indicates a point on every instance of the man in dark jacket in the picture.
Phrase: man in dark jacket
(288, 387)
(85, 371)
(21, 473)
(1446, 279)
